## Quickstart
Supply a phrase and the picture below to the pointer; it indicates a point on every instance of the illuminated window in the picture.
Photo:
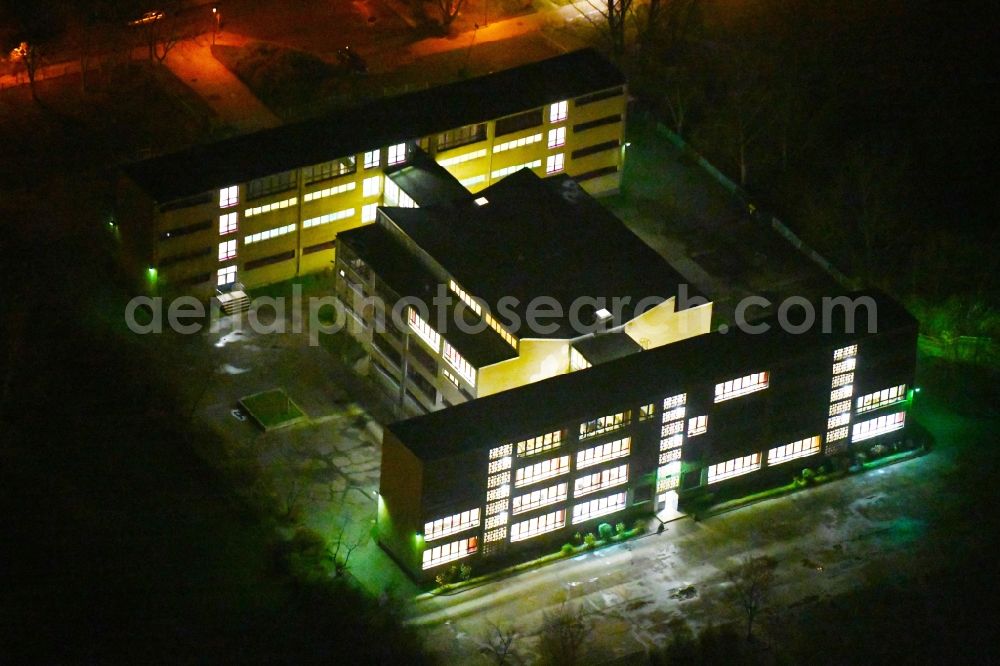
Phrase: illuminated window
(847, 365)
(735, 388)
(481, 201)
(577, 361)
(539, 498)
(647, 411)
(465, 157)
(450, 552)
(598, 507)
(841, 393)
(461, 136)
(268, 234)
(495, 325)
(672, 428)
(878, 426)
(474, 180)
(229, 196)
(227, 250)
(674, 414)
(228, 223)
(541, 471)
(498, 534)
(673, 401)
(226, 275)
(526, 529)
(330, 169)
(330, 191)
(368, 212)
(450, 376)
(496, 520)
(423, 329)
(499, 465)
(442, 527)
(506, 171)
(397, 153)
(370, 186)
(501, 451)
(603, 452)
(517, 143)
(397, 197)
(670, 456)
(842, 380)
(328, 218)
(604, 424)
(734, 467)
(838, 420)
(800, 449)
(371, 159)
(558, 111)
(837, 434)
(554, 163)
(540, 444)
(671, 442)
(497, 479)
(465, 297)
(845, 352)
(697, 425)
(464, 368)
(609, 478)
(500, 492)
(557, 137)
(840, 407)
(883, 398)
(267, 208)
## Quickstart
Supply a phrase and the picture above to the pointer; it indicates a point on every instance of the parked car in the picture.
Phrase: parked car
(349, 58)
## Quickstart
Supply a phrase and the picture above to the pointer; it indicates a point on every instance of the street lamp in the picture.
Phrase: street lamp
(217, 23)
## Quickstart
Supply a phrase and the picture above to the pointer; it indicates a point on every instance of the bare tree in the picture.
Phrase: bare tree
(613, 22)
(752, 582)
(563, 636)
(30, 55)
(342, 546)
(499, 644)
(449, 10)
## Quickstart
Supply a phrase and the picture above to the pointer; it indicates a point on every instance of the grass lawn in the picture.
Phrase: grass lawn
(272, 409)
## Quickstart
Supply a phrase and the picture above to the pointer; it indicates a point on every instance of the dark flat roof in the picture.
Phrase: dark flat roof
(542, 237)
(427, 182)
(527, 410)
(379, 123)
(606, 347)
(374, 244)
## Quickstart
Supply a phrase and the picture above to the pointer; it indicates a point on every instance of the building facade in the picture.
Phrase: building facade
(512, 475)
(483, 259)
(268, 206)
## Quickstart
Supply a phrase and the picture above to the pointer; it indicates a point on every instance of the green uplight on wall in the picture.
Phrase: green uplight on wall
(151, 275)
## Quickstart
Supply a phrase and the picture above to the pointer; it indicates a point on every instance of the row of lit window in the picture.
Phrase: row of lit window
(267, 208)
(601, 453)
(465, 297)
(517, 143)
(577, 360)
(800, 449)
(501, 331)
(734, 388)
(269, 233)
(598, 507)
(442, 527)
(878, 426)
(549, 522)
(608, 478)
(539, 498)
(465, 157)
(506, 171)
(735, 467)
(329, 191)
(605, 424)
(540, 471)
(423, 329)
(883, 398)
(457, 361)
(539, 444)
(328, 218)
(474, 180)
(450, 552)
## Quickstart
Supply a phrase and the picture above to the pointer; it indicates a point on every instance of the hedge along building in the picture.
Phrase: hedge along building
(505, 477)
(544, 280)
(268, 206)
